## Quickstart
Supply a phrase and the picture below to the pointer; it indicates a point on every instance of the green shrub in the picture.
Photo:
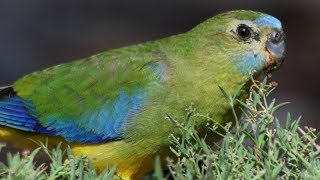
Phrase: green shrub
(24, 168)
(258, 148)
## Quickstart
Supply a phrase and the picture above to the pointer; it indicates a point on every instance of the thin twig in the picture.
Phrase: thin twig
(304, 133)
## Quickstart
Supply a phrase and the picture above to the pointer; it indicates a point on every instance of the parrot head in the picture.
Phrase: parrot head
(251, 41)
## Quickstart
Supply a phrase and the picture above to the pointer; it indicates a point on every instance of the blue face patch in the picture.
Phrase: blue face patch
(249, 62)
(267, 20)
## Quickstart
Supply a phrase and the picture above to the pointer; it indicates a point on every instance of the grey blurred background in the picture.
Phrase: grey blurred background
(38, 34)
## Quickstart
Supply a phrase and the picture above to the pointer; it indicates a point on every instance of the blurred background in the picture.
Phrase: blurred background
(38, 34)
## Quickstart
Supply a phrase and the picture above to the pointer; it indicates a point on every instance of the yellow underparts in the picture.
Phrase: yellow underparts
(131, 162)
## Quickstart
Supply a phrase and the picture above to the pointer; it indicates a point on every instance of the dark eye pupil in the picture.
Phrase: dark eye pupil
(244, 31)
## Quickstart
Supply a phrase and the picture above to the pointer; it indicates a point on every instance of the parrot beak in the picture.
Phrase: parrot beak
(275, 50)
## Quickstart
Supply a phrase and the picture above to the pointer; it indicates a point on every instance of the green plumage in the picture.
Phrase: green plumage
(131, 90)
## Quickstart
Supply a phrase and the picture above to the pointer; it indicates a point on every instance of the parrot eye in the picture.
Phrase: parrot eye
(244, 32)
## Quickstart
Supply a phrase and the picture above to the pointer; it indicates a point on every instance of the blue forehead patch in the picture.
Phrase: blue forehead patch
(267, 20)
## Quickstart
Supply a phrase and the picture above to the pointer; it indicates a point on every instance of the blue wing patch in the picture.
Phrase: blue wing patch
(14, 113)
(104, 124)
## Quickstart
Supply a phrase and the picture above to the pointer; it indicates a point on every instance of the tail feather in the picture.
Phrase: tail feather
(6, 91)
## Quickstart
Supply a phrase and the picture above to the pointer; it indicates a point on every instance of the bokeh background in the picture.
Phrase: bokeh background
(38, 34)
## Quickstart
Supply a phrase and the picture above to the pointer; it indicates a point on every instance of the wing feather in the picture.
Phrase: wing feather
(87, 101)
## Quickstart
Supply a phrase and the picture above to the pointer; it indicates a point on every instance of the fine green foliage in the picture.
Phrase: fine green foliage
(23, 166)
(258, 148)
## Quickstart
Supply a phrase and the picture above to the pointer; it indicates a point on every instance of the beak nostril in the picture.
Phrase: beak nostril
(276, 37)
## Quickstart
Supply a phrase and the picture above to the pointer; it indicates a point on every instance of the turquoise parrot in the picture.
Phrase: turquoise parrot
(112, 106)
